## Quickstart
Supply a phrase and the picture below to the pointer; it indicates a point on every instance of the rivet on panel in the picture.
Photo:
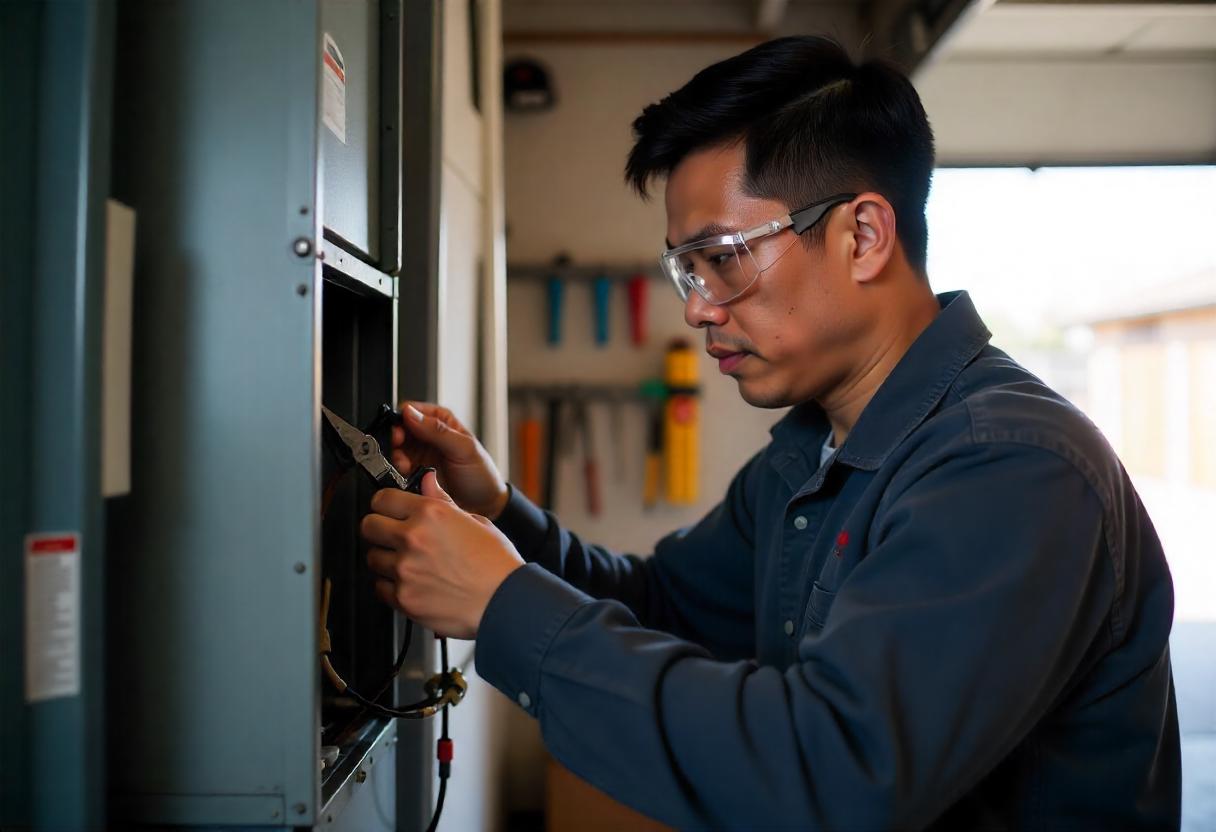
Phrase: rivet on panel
(300, 567)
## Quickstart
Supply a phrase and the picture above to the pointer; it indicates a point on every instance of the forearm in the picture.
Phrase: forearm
(595, 570)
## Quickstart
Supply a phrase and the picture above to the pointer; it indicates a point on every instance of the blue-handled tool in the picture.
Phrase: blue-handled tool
(557, 289)
(603, 297)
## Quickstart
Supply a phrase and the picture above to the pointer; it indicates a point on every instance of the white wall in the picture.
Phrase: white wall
(473, 799)
(565, 192)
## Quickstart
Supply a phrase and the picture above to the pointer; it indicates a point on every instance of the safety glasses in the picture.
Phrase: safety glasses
(720, 268)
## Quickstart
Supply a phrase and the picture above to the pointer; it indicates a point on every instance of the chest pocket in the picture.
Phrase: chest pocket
(819, 605)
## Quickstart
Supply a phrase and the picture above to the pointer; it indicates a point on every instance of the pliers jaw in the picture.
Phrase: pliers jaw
(355, 447)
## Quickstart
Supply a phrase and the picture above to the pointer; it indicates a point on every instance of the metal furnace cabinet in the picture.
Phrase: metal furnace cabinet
(265, 149)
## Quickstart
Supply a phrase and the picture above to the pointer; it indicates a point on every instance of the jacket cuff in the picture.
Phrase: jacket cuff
(523, 617)
(524, 523)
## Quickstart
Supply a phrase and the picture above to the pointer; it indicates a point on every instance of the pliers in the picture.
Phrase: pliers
(354, 447)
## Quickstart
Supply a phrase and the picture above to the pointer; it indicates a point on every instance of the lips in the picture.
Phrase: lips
(727, 360)
(727, 363)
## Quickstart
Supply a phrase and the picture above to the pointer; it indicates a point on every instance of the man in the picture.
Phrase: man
(933, 600)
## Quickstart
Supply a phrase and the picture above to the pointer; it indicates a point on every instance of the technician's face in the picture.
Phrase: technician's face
(792, 336)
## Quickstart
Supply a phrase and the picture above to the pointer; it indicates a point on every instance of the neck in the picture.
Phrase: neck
(843, 406)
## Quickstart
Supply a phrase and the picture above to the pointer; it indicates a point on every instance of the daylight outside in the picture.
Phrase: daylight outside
(1102, 281)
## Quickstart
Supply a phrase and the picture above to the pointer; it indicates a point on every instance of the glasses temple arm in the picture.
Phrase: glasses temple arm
(807, 217)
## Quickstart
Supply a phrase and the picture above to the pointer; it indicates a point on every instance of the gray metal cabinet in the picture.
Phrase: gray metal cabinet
(265, 284)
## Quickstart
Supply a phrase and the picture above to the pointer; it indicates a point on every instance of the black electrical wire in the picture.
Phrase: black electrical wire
(400, 663)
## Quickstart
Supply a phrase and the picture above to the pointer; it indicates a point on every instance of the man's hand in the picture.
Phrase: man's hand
(433, 436)
(435, 562)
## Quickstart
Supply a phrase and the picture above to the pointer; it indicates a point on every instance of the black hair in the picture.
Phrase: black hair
(813, 123)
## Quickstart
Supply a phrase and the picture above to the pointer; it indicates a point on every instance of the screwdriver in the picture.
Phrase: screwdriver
(638, 285)
(529, 453)
(602, 289)
(591, 476)
(653, 393)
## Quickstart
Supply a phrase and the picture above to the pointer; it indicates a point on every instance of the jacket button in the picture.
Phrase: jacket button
(789, 627)
(799, 522)
(525, 701)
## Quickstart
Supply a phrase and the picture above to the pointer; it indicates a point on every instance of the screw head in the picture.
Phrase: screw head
(302, 289)
(300, 808)
(299, 567)
(360, 776)
(302, 246)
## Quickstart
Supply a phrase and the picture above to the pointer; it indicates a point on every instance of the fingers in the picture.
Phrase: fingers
(401, 462)
(389, 524)
(436, 426)
(383, 562)
(427, 409)
(388, 532)
(397, 504)
(386, 591)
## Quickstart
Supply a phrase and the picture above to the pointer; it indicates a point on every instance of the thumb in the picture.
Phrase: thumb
(434, 431)
(432, 488)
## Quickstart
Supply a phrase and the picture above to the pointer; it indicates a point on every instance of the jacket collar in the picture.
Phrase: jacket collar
(908, 394)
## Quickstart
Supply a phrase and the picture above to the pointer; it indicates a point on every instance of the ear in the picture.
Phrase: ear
(872, 223)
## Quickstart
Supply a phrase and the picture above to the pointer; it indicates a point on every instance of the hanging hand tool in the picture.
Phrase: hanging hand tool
(529, 453)
(602, 289)
(638, 285)
(654, 392)
(681, 424)
(591, 476)
(557, 292)
(553, 415)
(616, 423)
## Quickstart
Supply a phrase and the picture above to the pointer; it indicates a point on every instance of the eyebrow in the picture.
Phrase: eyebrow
(711, 230)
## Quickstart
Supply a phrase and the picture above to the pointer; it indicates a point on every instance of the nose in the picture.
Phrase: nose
(700, 313)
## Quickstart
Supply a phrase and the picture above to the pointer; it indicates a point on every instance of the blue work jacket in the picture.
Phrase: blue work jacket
(959, 621)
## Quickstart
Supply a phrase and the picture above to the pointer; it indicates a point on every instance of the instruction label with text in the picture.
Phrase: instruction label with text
(333, 89)
(52, 616)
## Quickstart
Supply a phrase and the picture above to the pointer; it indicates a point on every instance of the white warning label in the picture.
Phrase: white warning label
(52, 616)
(333, 89)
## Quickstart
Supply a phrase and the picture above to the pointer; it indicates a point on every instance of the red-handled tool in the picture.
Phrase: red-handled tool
(638, 286)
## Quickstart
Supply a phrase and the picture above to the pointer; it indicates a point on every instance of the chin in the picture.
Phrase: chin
(759, 396)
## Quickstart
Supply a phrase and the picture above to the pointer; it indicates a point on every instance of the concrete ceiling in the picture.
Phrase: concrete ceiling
(905, 31)
(1051, 29)
(1015, 82)
(1046, 83)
